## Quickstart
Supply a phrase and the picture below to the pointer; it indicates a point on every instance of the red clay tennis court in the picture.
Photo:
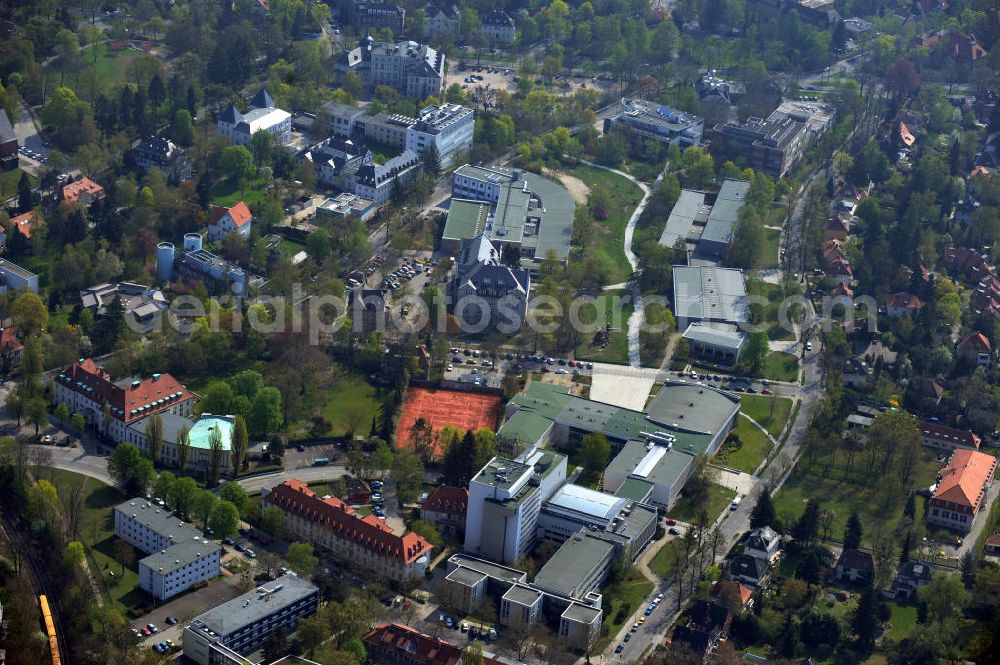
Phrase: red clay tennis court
(441, 407)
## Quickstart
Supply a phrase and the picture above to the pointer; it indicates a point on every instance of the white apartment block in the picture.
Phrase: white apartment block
(179, 556)
(450, 128)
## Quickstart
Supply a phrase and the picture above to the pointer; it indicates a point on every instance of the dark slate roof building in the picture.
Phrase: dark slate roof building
(8, 144)
(159, 153)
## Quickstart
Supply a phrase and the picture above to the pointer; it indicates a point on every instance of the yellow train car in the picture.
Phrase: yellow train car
(50, 629)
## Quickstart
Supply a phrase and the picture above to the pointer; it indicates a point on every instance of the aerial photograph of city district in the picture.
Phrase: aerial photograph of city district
(499, 332)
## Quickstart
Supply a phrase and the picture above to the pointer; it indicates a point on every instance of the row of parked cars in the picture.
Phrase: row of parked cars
(37, 156)
(653, 602)
(474, 631)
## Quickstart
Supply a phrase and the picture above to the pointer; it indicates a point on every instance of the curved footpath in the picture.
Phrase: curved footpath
(634, 321)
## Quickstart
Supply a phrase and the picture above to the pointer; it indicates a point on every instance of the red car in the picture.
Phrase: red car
(671, 522)
(765, 391)
(570, 363)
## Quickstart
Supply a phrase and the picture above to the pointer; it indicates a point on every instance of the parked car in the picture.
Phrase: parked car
(618, 649)
(250, 554)
(171, 621)
(152, 628)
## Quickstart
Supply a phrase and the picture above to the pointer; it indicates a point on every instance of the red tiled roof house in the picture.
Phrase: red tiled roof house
(446, 507)
(961, 491)
(975, 348)
(84, 191)
(943, 437)
(235, 219)
(332, 525)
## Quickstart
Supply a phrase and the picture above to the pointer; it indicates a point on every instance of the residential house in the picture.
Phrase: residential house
(839, 225)
(223, 220)
(446, 508)
(962, 490)
(11, 349)
(910, 576)
(903, 304)
(26, 223)
(977, 269)
(708, 624)
(416, 70)
(749, 570)
(763, 543)
(992, 545)
(856, 373)
(376, 182)
(443, 20)
(331, 525)
(926, 392)
(373, 15)
(855, 566)
(84, 191)
(723, 590)
(966, 48)
(975, 348)
(498, 27)
(905, 136)
(8, 144)
(840, 271)
(161, 154)
(335, 159)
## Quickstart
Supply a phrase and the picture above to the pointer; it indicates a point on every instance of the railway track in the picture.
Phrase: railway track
(39, 581)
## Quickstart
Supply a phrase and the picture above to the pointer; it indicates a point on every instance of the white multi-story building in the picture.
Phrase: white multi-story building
(262, 116)
(179, 556)
(227, 633)
(376, 182)
(416, 70)
(87, 388)
(13, 277)
(505, 500)
(449, 128)
(332, 525)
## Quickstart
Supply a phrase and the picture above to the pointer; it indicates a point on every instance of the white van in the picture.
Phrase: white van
(736, 503)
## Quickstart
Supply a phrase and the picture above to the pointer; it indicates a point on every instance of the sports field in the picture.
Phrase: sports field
(441, 407)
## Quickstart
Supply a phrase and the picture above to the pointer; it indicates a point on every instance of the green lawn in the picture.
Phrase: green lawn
(352, 393)
(290, 248)
(754, 447)
(759, 408)
(617, 349)
(772, 239)
(98, 534)
(227, 192)
(666, 558)
(880, 500)
(719, 499)
(624, 600)
(904, 620)
(779, 366)
(111, 66)
(620, 197)
(9, 180)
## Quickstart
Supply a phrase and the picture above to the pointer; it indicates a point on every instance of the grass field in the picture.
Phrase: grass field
(904, 620)
(665, 560)
(98, 534)
(879, 501)
(719, 499)
(351, 395)
(111, 66)
(290, 248)
(620, 198)
(617, 348)
(624, 600)
(779, 366)
(773, 237)
(758, 407)
(227, 192)
(9, 180)
(754, 447)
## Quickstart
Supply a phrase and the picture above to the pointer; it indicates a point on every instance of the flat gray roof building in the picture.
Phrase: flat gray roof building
(578, 567)
(722, 220)
(687, 219)
(709, 293)
(252, 606)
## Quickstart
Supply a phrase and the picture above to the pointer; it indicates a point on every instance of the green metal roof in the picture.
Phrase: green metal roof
(635, 489)
(466, 219)
(537, 407)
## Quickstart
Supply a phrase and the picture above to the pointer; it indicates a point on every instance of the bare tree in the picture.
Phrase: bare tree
(40, 458)
(826, 520)
(72, 500)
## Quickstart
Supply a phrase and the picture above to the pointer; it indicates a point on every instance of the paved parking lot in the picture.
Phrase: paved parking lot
(186, 607)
